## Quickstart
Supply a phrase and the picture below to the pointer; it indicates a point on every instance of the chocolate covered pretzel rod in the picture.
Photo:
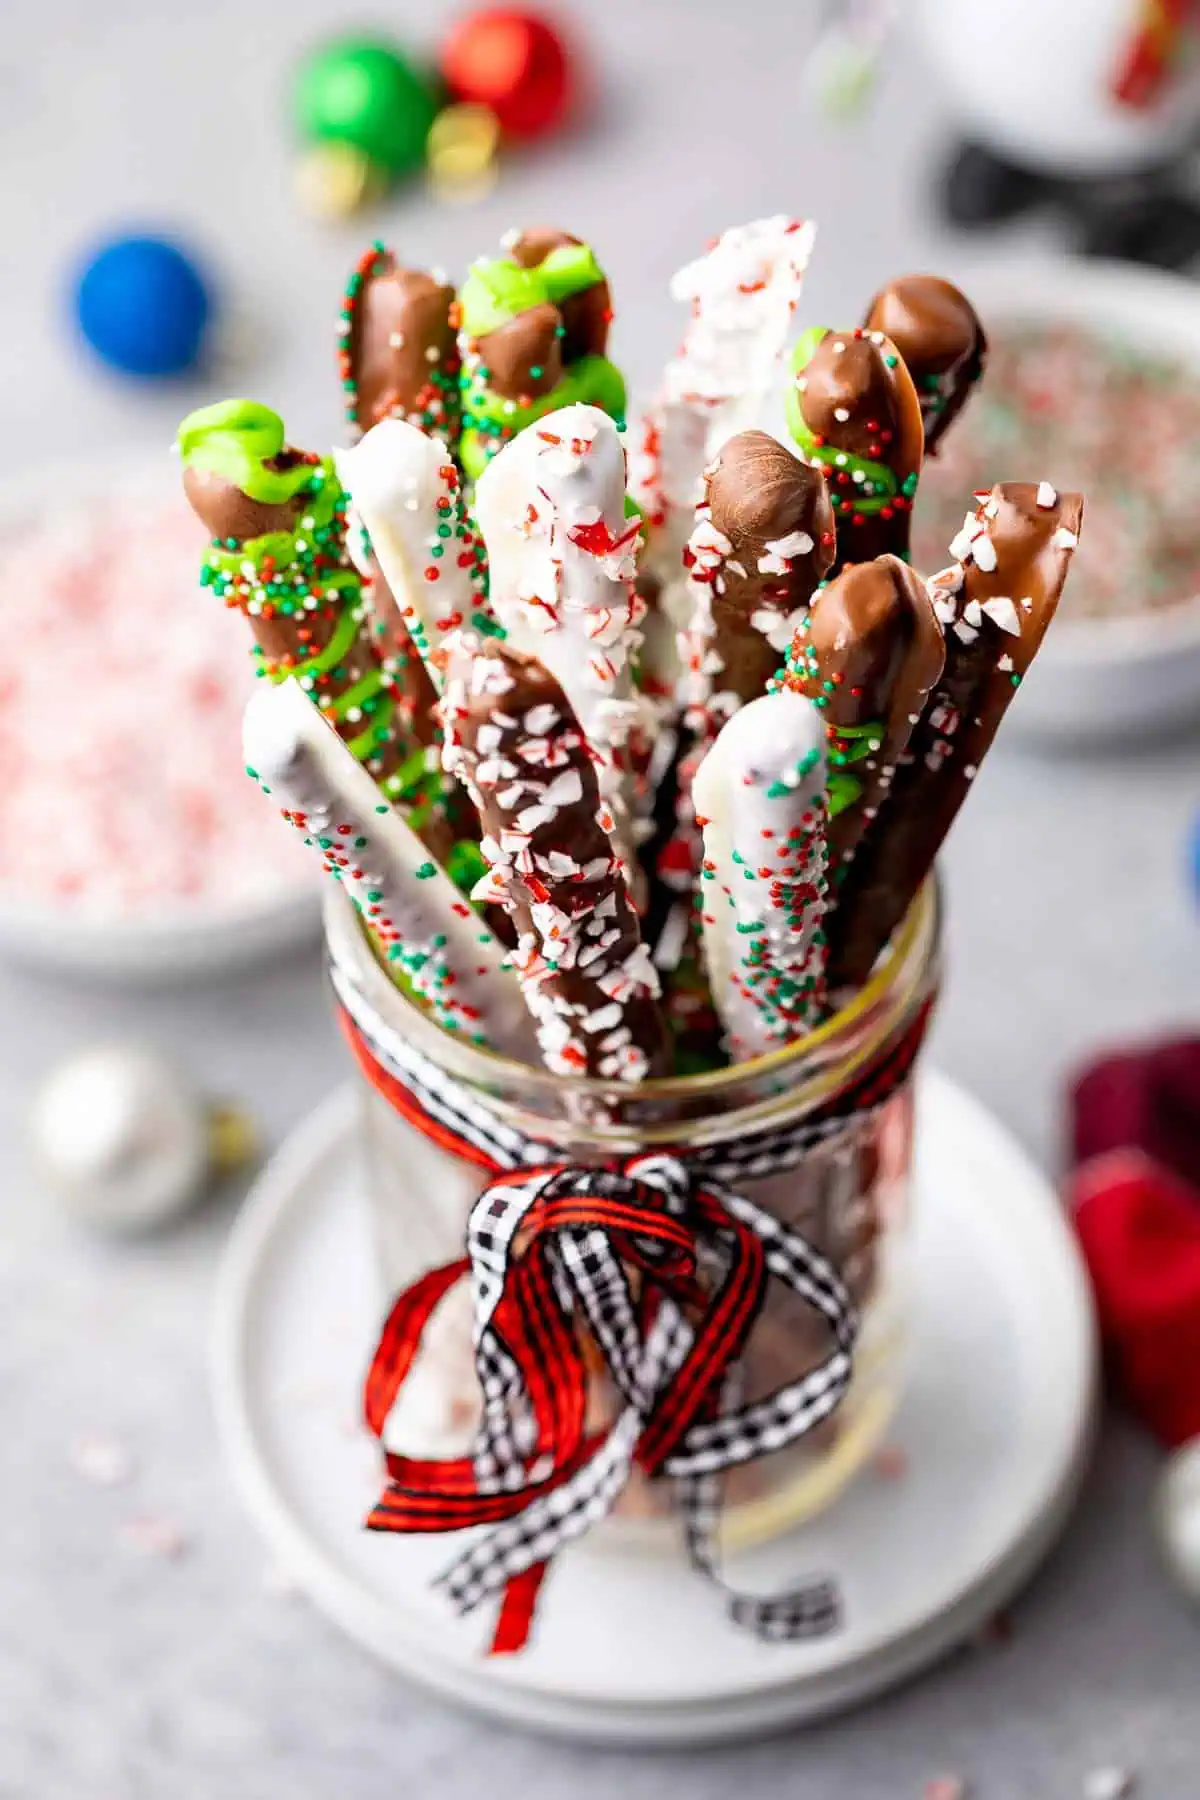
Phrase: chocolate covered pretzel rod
(853, 410)
(762, 541)
(868, 655)
(420, 921)
(398, 347)
(938, 333)
(279, 554)
(760, 799)
(995, 604)
(562, 555)
(407, 493)
(742, 294)
(533, 331)
(514, 741)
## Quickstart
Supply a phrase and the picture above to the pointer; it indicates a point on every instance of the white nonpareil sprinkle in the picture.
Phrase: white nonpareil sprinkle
(1064, 539)
(1047, 496)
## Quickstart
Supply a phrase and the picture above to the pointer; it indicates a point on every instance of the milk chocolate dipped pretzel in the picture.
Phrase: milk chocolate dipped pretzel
(762, 541)
(760, 799)
(562, 555)
(868, 655)
(398, 358)
(279, 554)
(398, 347)
(742, 294)
(586, 311)
(520, 357)
(937, 331)
(513, 739)
(853, 410)
(995, 604)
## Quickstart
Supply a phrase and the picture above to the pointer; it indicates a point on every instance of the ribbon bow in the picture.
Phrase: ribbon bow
(664, 1266)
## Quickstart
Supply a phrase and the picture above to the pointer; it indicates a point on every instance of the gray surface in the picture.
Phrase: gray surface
(126, 1678)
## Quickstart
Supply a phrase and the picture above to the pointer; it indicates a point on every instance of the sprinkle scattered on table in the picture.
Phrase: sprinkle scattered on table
(142, 806)
(101, 1459)
(1073, 402)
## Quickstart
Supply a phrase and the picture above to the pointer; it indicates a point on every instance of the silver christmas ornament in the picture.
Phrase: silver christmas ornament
(126, 1140)
(1178, 1519)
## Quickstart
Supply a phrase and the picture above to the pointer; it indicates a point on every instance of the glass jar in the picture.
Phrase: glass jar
(849, 1198)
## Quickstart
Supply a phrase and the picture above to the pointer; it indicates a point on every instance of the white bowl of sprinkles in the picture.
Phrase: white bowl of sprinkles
(132, 846)
(1093, 383)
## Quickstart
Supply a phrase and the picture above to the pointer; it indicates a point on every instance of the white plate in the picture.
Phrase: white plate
(1097, 679)
(632, 1647)
(183, 942)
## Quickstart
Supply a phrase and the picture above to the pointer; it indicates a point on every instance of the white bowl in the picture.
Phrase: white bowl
(183, 941)
(1124, 677)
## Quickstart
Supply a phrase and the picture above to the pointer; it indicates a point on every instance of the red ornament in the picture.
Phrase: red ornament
(514, 62)
(1139, 1226)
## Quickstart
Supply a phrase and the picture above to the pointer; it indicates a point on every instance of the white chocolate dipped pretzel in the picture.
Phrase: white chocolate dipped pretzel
(743, 293)
(513, 740)
(563, 555)
(759, 795)
(417, 915)
(406, 494)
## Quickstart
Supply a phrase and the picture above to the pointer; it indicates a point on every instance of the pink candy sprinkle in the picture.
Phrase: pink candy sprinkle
(120, 721)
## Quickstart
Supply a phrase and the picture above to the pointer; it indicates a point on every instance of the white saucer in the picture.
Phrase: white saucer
(632, 1647)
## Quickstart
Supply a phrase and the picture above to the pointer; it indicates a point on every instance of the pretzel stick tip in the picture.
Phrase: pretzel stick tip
(760, 798)
(422, 924)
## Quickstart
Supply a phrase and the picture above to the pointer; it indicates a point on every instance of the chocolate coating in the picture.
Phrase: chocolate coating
(586, 316)
(400, 332)
(986, 656)
(226, 512)
(515, 349)
(855, 395)
(938, 333)
(870, 653)
(556, 854)
(760, 496)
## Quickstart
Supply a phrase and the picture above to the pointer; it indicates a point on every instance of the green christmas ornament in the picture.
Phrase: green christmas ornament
(363, 93)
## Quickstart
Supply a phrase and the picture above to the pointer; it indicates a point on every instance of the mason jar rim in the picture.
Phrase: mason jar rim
(482, 1067)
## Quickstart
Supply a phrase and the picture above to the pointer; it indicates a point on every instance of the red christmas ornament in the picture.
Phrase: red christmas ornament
(514, 62)
(1139, 1227)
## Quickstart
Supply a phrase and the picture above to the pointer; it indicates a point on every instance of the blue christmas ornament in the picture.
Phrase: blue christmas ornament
(143, 306)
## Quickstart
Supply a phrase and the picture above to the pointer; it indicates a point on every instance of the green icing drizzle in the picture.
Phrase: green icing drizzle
(466, 864)
(570, 269)
(498, 289)
(843, 790)
(489, 421)
(876, 486)
(236, 439)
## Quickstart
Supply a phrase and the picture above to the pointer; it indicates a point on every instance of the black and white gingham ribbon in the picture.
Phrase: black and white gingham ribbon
(530, 1505)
